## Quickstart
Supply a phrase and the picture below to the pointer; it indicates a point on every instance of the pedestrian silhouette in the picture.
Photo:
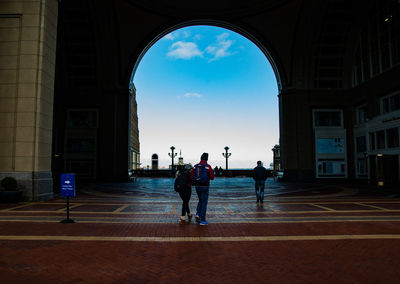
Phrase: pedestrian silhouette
(260, 175)
(201, 174)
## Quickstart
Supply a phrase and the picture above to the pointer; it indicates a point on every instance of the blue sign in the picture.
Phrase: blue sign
(67, 185)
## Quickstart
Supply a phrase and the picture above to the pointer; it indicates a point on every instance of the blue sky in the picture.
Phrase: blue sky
(201, 88)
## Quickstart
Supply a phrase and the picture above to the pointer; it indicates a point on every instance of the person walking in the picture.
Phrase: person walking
(216, 171)
(183, 186)
(260, 175)
(201, 174)
(220, 171)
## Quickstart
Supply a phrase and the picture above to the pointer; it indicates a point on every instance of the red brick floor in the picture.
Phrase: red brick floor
(343, 237)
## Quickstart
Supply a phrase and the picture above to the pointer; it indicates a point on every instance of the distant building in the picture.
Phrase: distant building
(276, 165)
(154, 162)
(180, 159)
(134, 145)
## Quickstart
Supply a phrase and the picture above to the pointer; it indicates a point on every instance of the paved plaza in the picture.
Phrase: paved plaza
(128, 233)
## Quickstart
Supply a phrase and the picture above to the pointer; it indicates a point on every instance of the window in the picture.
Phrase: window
(392, 137)
(385, 105)
(330, 145)
(362, 114)
(394, 102)
(331, 168)
(361, 144)
(380, 139)
(327, 118)
(378, 44)
(80, 145)
(372, 140)
(361, 167)
(391, 103)
(82, 118)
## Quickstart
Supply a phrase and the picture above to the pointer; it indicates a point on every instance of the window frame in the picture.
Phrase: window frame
(388, 98)
(314, 111)
(364, 106)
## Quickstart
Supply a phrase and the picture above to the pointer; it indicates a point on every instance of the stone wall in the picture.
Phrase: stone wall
(28, 31)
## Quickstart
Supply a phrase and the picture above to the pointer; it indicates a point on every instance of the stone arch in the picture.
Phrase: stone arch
(268, 51)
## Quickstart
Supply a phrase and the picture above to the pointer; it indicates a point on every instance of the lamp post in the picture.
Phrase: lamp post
(172, 155)
(226, 155)
(366, 169)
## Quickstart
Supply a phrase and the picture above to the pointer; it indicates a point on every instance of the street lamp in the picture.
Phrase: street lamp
(366, 169)
(172, 155)
(226, 155)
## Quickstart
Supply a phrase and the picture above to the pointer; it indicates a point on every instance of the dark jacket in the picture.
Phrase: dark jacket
(260, 173)
(185, 174)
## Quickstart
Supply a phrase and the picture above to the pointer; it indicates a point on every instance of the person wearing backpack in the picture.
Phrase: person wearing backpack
(183, 186)
(201, 174)
(260, 175)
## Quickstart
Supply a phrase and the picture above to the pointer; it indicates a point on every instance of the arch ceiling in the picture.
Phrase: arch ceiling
(307, 42)
(221, 24)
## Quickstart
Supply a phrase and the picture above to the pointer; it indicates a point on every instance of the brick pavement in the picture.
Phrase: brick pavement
(126, 234)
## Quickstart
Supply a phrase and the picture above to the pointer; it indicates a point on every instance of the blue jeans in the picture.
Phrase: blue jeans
(260, 184)
(202, 193)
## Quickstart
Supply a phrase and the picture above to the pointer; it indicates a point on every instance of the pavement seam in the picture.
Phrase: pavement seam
(203, 239)
(238, 220)
(323, 207)
(16, 207)
(120, 209)
(172, 211)
(372, 206)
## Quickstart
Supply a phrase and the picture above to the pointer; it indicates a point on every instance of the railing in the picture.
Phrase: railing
(169, 173)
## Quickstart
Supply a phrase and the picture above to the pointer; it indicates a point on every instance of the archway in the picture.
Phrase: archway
(273, 60)
(183, 44)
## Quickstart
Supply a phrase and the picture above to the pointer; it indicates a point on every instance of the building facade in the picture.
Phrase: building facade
(134, 144)
(276, 156)
(66, 103)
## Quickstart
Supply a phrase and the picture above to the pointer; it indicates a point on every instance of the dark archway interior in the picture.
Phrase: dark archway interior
(320, 50)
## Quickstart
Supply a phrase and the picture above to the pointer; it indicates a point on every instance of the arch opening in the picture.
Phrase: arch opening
(205, 94)
(215, 23)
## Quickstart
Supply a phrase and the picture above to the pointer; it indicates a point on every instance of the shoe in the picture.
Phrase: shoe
(203, 223)
(197, 218)
(190, 217)
(181, 221)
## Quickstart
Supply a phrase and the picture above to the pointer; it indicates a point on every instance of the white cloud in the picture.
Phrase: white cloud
(193, 95)
(197, 37)
(169, 36)
(222, 36)
(186, 34)
(211, 49)
(220, 48)
(184, 50)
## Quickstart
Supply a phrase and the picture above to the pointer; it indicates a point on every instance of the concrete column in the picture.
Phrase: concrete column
(296, 138)
(28, 32)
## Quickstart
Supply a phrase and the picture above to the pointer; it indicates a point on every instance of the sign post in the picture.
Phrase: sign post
(68, 190)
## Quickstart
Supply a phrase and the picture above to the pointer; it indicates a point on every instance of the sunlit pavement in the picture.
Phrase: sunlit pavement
(128, 233)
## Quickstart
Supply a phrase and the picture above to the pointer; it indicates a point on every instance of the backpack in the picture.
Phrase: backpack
(181, 182)
(200, 174)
